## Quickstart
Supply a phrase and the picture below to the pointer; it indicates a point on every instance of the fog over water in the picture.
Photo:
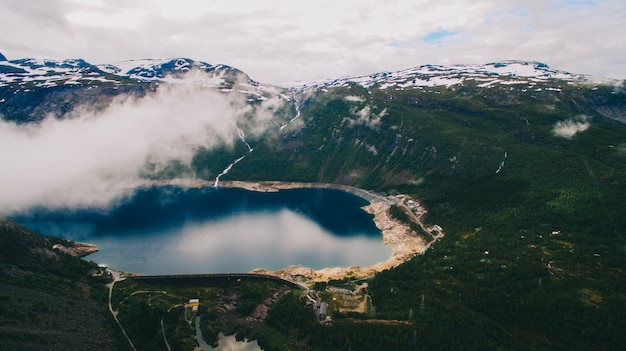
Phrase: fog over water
(93, 158)
(174, 230)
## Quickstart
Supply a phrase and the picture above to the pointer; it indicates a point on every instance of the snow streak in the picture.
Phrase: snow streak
(502, 163)
(297, 105)
(242, 136)
(217, 179)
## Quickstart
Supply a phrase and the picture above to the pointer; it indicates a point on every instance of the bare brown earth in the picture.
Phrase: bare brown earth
(77, 249)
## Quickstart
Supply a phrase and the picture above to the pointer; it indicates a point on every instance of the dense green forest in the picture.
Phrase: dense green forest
(533, 256)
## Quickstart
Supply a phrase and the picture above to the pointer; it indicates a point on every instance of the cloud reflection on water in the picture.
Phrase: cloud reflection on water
(230, 343)
(240, 243)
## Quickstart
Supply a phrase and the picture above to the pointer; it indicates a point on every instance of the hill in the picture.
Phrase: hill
(48, 299)
(523, 166)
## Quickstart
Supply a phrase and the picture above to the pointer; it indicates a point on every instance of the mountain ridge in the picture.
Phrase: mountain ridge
(429, 75)
(79, 71)
(24, 81)
(155, 69)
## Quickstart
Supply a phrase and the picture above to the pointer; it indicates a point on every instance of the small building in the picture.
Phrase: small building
(322, 310)
(194, 303)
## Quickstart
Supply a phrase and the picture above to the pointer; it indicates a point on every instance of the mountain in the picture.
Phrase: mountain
(523, 166)
(510, 72)
(31, 89)
(27, 85)
(35, 73)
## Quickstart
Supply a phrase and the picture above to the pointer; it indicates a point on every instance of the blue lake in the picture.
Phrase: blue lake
(167, 230)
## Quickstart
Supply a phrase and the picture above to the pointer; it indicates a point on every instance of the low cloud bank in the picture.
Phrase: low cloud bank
(92, 159)
(567, 129)
(364, 116)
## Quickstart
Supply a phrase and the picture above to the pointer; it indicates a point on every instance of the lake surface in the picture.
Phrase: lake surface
(168, 230)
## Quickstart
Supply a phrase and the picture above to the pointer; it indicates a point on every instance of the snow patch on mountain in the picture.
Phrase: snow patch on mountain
(487, 75)
(31, 73)
(25, 75)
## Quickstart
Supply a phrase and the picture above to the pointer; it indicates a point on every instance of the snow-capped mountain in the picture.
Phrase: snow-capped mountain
(21, 78)
(34, 73)
(31, 87)
(155, 69)
(31, 73)
(522, 73)
(51, 73)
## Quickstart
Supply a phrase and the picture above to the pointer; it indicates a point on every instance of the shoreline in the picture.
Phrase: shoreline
(404, 242)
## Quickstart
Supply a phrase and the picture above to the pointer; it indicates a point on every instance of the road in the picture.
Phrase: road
(202, 344)
(117, 277)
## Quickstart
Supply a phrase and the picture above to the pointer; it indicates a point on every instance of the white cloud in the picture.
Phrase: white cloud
(126, 19)
(91, 159)
(567, 129)
(354, 98)
(280, 40)
(364, 116)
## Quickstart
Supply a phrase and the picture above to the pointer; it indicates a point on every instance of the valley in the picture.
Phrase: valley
(523, 165)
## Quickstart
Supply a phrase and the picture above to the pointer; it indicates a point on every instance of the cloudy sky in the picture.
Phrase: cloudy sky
(281, 41)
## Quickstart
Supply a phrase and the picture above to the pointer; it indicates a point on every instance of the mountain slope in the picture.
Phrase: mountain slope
(523, 166)
(47, 298)
(528, 185)
(32, 89)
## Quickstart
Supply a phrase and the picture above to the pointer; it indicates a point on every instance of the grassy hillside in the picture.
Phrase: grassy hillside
(48, 300)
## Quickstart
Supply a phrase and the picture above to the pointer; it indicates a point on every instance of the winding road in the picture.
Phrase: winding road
(117, 277)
